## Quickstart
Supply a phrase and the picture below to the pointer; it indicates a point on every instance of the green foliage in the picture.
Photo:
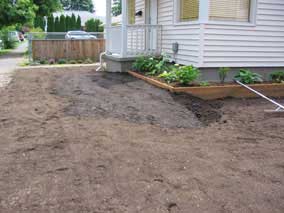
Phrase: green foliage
(16, 12)
(47, 7)
(151, 66)
(182, 74)
(50, 24)
(247, 77)
(223, 73)
(94, 25)
(57, 25)
(204, 84)
(116, 8)
(9, 43)
(169, 77)
(187, 74)
(39, 22)
(78, 5)
(277, 77)
(73, 62)
(62, 61)
(88, 61)
(73, 22)
(80, 61)
(78, 23)
(62, 24)
(43, 61)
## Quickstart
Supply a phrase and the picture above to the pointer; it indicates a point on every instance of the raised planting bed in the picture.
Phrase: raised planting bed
(218, 91)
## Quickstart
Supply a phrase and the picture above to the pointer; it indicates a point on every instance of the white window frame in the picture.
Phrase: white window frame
(251, 22)
(204, 10)
(177, 20)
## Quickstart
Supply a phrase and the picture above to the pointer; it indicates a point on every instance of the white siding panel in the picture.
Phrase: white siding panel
(261, 45)
(186, 35)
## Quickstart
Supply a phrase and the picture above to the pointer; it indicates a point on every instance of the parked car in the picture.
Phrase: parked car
(79, 35)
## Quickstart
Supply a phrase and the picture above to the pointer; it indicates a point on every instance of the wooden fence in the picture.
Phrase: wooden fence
(67, 49)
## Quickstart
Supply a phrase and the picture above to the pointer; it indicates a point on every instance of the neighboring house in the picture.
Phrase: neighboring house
(204, 33)
(85, 15)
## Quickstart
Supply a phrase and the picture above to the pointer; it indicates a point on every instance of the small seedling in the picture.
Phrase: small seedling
(223, 73)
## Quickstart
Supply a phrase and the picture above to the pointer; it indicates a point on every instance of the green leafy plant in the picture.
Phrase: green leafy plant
(80, 61)
(204, 84)
(223, 73)
(62, 61)
(88, 61)
(73, 62)
(247, 77)
(43, 61)
(277, 77)
(5, 35)
(150, 65)
(169, 77)
(187, 74)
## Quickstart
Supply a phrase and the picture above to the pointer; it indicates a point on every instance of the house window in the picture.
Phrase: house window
(131, 11)
(230, 10)
(189, 10)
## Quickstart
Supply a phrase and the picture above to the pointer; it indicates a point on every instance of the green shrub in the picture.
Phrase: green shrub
(80, 61)
(277, 76)
(88, 61)
(73, 62)
(223, 73)
(151, 66)
(9, 42)
(62, 61)
(169, 77)
(204, 84)
(43, 61)
(247, 77)
(187, 74)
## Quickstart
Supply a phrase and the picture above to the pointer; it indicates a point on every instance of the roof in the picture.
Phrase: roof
(85, 15)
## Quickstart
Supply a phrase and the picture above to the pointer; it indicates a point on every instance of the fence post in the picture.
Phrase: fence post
(30, 49)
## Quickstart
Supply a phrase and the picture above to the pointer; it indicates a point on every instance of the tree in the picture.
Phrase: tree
(78, 23)
(39, 22)
(73, 22)
(62, 23)
(68, 22)
(116, 8)
(94, 25)
(16, 12)
(85, 5)
(50, 24)
(56, 25)
(47, 7)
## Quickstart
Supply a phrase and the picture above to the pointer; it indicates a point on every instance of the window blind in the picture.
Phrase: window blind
(230, 10)
(189, 10)
(131, 11)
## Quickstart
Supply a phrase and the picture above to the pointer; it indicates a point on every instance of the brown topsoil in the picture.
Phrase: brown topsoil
(79, 141)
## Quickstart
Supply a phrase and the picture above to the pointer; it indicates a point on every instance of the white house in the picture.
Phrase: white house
(204, 33)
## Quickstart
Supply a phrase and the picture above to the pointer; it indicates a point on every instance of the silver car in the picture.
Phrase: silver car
(79, 35)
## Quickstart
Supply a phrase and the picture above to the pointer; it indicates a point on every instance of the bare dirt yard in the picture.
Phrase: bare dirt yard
(78, 141)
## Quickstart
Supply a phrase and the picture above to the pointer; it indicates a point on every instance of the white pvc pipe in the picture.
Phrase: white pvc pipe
(261, 95)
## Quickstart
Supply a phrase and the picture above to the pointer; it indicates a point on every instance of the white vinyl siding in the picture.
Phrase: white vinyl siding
(186, 35)
(229, 44)
(230, 10)
(259, 45)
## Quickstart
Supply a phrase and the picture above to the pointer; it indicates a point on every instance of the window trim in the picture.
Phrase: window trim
(177, 20)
